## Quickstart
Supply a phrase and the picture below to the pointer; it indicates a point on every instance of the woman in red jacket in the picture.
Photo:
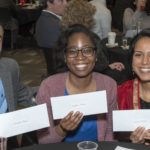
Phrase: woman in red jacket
(135, 94)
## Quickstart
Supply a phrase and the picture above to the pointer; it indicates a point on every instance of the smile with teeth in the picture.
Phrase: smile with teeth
(145, 69)
(81, 66)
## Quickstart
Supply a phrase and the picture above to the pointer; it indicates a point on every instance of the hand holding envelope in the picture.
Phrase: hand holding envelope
(71, 121)
(94, 101)
(129, 120)
(72, 108)
(137, 121)
(24, 120)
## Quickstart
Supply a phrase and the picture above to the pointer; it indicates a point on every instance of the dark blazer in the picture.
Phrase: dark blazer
(16, 93)
(47, 30)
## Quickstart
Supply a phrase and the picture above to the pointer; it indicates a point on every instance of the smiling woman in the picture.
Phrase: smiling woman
(134, 94)
(78, 45)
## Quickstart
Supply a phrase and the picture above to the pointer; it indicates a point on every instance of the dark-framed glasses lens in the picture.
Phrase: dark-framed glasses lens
(88, 51)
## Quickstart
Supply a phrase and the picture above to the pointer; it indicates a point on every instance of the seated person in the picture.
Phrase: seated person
(117, 13)
(102, 18)
(135, 18)
(134, 94)
(14, 93)
(48, 30)
(78, 45)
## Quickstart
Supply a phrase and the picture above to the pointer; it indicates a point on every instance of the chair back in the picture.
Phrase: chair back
(5, 16)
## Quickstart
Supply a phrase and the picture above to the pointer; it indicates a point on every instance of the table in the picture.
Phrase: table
(73, 146)
(28, 13)
(117, 53)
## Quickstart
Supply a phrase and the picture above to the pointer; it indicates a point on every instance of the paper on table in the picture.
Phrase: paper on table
(129, 120)
(24, 120)
(87, 103)
(122, 148)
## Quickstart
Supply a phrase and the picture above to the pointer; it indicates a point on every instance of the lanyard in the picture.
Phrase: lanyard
(136, 94)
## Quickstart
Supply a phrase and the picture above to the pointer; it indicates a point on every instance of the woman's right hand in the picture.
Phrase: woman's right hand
(117, 65)
(137, 136)
(69, 123)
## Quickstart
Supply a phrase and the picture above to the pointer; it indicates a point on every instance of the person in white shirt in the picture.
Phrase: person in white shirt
(135, 19)
(102, 18)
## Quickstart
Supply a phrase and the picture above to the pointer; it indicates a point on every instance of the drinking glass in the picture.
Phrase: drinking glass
(111, 38)
(124, 42)
(87, 145)
(134, 30)
(138, 26)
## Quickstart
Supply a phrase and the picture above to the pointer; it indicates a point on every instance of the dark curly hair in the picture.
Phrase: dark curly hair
(78, 12)
(63, 42)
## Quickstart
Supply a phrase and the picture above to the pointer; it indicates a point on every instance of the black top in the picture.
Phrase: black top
(144, 104)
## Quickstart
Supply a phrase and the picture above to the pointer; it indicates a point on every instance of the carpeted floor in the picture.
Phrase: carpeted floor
(30, 59)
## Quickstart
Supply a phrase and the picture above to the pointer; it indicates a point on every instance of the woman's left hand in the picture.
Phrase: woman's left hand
(137, 136)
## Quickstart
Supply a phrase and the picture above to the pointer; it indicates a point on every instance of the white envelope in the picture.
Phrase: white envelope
(24, 120)
(122, 148)
(87, 103)
(129, 120)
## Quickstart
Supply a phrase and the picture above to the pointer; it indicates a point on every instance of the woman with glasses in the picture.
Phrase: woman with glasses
(78, 45)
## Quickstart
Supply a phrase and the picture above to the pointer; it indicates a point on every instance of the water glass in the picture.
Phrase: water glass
(87, 145)
(3, 144)
(111, 38)
(134, 30)
(37, 3)
(138, 26)
(124, 42)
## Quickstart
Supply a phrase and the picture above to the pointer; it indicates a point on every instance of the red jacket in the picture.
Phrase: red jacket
(125, 95)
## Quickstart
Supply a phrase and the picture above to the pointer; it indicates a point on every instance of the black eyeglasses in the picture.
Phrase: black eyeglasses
(86, 51)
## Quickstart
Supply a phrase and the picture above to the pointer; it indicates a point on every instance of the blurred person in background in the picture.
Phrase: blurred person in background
(136, 17)
(102, 19)
(48, 30)
(118, 11)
